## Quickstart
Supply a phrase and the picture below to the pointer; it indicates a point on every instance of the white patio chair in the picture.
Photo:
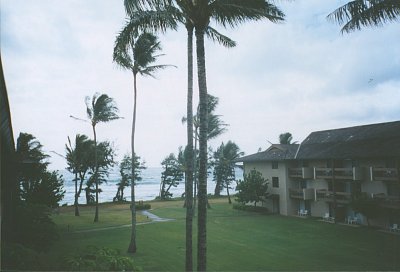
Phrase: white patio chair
(394, 228)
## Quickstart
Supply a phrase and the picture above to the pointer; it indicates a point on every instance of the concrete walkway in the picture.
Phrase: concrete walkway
(154, 219)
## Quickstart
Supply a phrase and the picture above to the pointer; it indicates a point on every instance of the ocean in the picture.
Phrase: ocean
(146, 189)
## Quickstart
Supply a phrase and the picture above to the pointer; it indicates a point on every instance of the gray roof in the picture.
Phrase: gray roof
(368, 141)
(276, 152)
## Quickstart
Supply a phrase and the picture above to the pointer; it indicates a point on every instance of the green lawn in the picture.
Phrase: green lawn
(240, 241)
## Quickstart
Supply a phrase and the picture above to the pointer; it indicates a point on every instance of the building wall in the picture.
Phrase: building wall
(318, 207)
(265, 168)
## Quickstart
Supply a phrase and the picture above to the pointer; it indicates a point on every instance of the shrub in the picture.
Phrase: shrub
(247, 208)
(19, 257)
(100, 259)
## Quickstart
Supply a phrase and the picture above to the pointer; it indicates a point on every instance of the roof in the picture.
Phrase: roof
(276, 152)
(375, 140)
(7, 138)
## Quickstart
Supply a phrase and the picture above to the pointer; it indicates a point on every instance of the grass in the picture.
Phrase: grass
(237, 241)
(110, 215)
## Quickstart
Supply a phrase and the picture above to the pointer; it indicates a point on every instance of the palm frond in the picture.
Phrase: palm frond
(156, 20)
(365, 13)
(101, 108)
(220, 38)
(149, 70)
(234, 12)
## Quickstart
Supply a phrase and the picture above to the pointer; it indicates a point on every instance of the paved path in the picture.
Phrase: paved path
(154, 219)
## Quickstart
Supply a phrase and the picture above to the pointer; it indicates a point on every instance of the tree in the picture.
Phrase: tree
(136, 53)
(224, 166)
(159, 16)
(215, 128)
(78, 161)
(171, 176)
(285, 138)
(99, 168)
(225, 13)
(101, 108)
(198, 14)
(369, 207)
(252, 189)
(365, 13)
(39, 191)
(125, 170)
(36, 184)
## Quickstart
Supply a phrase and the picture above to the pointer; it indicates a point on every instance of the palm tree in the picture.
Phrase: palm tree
(78, 160)
(160, 16)
(136, 53)
(226, 13)
(365, 13)
(101, 108)
(285, 138)
(224, 166)
(198, 15)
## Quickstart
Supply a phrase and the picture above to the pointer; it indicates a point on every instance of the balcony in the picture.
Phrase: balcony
(384, 174)
(302, 172)
(341, 197)
(353, 173)
(304, 194)
(391, 202)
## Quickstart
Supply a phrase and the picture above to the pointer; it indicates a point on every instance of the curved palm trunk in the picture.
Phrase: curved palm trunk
(189, 169)
(132, 245)
(229, 196)
(76, 195)
(202, 190)
(96, 215)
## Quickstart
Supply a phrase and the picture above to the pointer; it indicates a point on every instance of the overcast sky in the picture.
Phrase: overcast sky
(299, 76)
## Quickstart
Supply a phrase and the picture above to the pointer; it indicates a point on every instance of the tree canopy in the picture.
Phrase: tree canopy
(365, 13)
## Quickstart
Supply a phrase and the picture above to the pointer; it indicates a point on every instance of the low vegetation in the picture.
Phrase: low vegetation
(238, 240)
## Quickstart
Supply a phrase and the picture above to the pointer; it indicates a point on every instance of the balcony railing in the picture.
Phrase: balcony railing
(353, 173)
(392, 202)
(304, 194)
(301, 172)
(329, 196)
(384, 174)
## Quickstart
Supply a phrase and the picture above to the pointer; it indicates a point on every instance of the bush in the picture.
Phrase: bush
(19, 257)
(34, 227)
(247, 208)
(100, 259)
(140, 206)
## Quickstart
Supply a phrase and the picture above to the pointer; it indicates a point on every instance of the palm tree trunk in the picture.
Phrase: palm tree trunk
(195, 175)
(189, 168)
(76, 195)
(202, 191)
(229, 196)
(132, 245)
(96, 215)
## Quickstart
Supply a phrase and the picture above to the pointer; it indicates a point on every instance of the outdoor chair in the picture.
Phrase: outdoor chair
(394, 228)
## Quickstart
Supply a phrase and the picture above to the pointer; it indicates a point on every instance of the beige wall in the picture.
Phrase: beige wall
(289, 206)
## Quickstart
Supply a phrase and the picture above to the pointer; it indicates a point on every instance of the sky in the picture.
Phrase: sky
(299, 76)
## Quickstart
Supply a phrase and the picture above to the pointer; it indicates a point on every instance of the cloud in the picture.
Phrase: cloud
(299, 76)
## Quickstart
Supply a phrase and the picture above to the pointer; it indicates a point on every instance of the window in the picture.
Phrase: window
(275, 182)
(274, 165)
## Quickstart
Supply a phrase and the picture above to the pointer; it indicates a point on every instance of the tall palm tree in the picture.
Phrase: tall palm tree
(101, 108)
(160, 16)
(365, 13)
(198, 15)
(136, 53)
(225, 13)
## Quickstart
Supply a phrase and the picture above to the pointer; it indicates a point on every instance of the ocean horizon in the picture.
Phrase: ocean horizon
(146, 189)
